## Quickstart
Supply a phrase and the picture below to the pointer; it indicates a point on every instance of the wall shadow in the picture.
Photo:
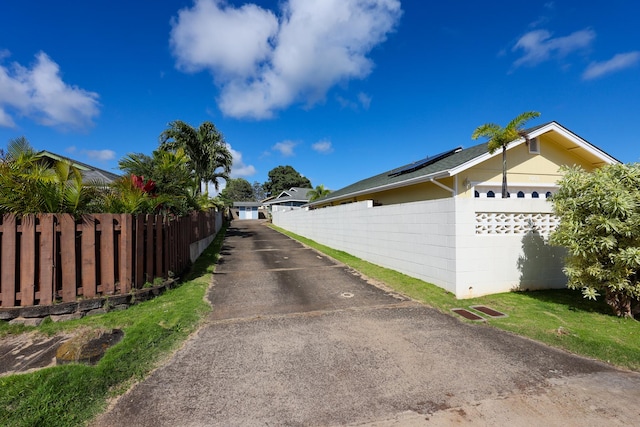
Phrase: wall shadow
(540, 264)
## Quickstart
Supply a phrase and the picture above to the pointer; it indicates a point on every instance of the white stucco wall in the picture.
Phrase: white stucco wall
(440, 242)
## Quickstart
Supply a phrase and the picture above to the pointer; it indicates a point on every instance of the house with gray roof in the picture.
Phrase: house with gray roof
(90, 174)
(473, 172)
(290, 199)
(442, 219)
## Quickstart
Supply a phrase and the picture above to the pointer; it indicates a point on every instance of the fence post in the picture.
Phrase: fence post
(89, 264)
(47, 236)
(68, 256)
(151, 247)
(28, 260)
(139, 267)
(126, 252)
(160, 247)
(8, 261)
(107, 243)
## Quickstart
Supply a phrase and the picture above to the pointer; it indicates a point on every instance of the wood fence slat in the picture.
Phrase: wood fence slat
(139, 244)
(89, 257)
(8, 262)
(28, 260)
(161, 270)
(47, 251)
(68, 257)
(126, 252)
(170, 246)
(152, 248)
(107, 250)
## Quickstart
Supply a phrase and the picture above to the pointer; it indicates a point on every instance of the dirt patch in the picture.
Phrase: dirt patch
(31, 351)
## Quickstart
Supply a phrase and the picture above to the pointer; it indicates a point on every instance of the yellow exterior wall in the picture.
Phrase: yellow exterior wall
(523, 168)
(410, 193)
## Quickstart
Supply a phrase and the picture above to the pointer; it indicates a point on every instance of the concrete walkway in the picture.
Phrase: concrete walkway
(296, 339)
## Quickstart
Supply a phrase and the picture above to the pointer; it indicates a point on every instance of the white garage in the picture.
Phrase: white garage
(247, 210)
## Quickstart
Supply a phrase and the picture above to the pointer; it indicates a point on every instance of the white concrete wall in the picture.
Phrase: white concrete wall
(492, 263)
(417, 239)
(437, 241)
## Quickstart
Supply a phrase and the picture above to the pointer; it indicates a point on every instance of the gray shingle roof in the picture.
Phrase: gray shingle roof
(388, 178)
(89, 173)
(295, 194)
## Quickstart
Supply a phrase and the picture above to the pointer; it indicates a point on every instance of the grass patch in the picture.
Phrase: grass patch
(560, 318)
(71, 395)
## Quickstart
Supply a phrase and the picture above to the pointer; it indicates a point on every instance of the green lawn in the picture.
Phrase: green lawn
(560, 318)
(70, 395)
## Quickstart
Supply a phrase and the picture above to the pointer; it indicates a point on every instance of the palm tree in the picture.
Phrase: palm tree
(318, 193)
(501, 137)
(171, 174)
(29, 185)
(209, 155)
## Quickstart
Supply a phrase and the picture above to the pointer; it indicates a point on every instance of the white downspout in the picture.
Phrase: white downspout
(441, 185)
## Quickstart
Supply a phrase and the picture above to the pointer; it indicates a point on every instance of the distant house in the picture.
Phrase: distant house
(292, 198)
(442, 219)
(247, 210)
(90, 174)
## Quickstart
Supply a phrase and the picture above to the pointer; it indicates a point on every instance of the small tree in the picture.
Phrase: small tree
(318, 193)
(599, 215)
(500, 137)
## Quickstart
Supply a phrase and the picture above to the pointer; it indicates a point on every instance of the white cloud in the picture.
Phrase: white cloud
(323, 147)
(285, 148)
(100, 155)
(617, 63)
(539, 46)
(365, 100)
(239, 169)
(40, 94)
(263, 64)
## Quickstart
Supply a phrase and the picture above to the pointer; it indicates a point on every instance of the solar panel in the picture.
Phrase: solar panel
(423, 163)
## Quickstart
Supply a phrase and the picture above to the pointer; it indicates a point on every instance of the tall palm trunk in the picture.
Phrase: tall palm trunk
(504, 172)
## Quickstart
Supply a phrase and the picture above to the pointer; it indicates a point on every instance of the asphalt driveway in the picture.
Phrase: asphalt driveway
(298, 339)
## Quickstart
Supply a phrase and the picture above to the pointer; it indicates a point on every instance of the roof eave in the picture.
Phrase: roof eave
(551, 126)
(415, 180)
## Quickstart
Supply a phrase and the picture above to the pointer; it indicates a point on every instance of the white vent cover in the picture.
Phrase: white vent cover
(534, 146)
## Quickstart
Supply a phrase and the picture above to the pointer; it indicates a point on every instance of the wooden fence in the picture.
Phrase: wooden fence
(48, 258)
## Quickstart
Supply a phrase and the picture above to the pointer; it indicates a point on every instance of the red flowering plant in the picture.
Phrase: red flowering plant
(146, 187)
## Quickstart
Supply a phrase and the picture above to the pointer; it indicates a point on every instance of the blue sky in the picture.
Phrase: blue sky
(338, 89)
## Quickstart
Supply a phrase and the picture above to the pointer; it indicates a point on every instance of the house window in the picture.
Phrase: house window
(548, 194)
(476, 194)
(491, 194)
(535, 195)
(534, 146)
(520, 194)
